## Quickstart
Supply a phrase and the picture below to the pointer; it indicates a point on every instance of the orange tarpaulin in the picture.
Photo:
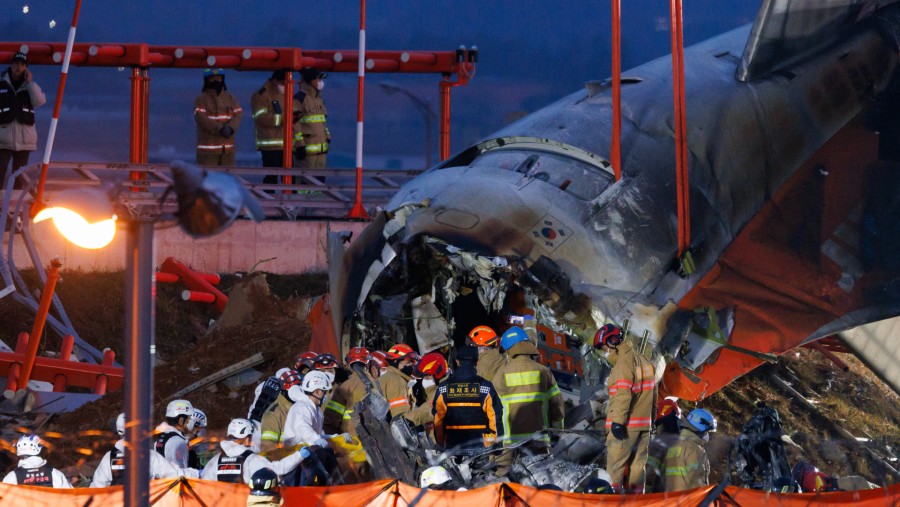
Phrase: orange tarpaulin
(385, 493)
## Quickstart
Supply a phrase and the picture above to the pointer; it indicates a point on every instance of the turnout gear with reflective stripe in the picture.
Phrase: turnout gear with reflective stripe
(268, 119)
(273, 420)
(211, 113)
(34, 471)
(311, 130)
(423, 414)
(467, 412)
(17, 104)
(393, 384)
(632, 389)
(531, 399)
(659, 445)
(489, 362)
(340, 408)
(686, 465)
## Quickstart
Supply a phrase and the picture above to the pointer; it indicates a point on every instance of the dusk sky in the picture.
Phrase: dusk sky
(531, 53)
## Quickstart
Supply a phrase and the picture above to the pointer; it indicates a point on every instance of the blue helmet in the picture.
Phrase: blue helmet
(513, 336)
(213, 72)
(702, 420)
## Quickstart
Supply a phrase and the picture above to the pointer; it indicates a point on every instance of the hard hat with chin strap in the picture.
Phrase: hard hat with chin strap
(29, 445)
(316, 380)
(513, 336)
(240, 428)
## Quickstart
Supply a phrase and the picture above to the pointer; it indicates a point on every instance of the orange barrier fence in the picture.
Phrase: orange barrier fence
(387, 493)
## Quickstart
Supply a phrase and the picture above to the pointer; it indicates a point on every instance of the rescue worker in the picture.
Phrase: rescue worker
(237, 463)
(33, 470)
(339, 409)
(19, 97)
(218, 116)
(531, 399)
(489, 357)
(431, 369)
(467, 408)
(632, 399)
(195, 438)
(686, 465)
(378, 364)
(326, 363)
(304, 427)
(305, 362)
(401, 360)
(170, 440)
(668, 427)
(264, 489)
(272, 427)
(268, 119)
(312, 138)
(111, 470)
(266, 394)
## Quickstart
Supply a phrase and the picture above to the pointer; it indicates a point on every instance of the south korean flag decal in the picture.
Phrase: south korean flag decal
(549, 233)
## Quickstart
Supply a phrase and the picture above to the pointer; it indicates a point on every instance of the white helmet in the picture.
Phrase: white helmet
(240, 428)
(434, 476)
(120, 424)
(176, 408)
(29, 445)
(199, 418)
(316, 380)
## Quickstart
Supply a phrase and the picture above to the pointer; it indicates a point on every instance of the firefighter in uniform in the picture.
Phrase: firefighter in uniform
(686, 465)
(274, 417)
(19, 97)
(489, 357)
(33, 470)
(170, 440)
(312, 138)
(218, 116)
(401, 360)
(529, 394)
(431, 369)
(266, 393)
(668, 427)
(632, 400)
(268, 119)
(264, 489)
(111, 470)
(467, 408)
(339, 409)
(237, 462)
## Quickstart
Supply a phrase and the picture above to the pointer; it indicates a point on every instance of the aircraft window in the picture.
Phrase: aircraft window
(568, 174)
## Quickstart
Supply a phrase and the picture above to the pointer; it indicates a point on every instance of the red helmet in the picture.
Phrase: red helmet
(400, 351)
(325, 361)
(666, 407)
(434, 364)
(289, 379)
(357, 355)
(482, 336)
(609, 335)
(309, 357)
(378, 358)
(814, 480)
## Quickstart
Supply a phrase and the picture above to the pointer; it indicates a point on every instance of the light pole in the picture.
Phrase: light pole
(422, 105)
(208, 202)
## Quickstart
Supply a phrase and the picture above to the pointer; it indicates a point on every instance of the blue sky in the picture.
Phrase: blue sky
(531, 53)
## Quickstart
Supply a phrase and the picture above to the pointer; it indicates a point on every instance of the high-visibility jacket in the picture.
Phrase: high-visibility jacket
(267, 119)
(211, 113)
(632, 390)
(340, 408)
(422, 414)
(531, 399)
(393, 385)
(656, 455)
(17, 105)
(686, 465)
(467, 411)
(273, 420)
(310, 115)
(489, 362)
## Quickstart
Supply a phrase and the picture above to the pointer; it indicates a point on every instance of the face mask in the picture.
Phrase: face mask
(320, 85)
(407, 370)
(190, 424)
(218, 86)
(429, 382)
(281, 89)
(706, 437)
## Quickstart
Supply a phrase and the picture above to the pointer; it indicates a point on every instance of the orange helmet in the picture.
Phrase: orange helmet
(482, 336)
(814, 480)
(434, 364)
(400, 351)
(357, 355)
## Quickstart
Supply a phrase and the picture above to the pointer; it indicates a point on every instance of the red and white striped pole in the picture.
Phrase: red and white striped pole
(358, 211)
(39, 196)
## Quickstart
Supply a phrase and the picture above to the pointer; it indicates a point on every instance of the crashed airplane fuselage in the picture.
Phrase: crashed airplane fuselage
(783, 176)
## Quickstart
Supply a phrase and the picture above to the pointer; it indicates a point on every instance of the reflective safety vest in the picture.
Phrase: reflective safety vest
(117, 466)
(231, 468)
(15, 105)
(40, 476)
(160, 444)
(467, 410)
(270, 391)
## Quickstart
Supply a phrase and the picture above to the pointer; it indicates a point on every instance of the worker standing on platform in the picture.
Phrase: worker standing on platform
(19, 97)
(33, 470)
(489, 357)
(312, 138)
(632, 400)
(401, 361)
(218, 116)
(268, 120)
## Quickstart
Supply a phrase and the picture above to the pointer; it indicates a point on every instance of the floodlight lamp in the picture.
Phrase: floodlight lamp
(208, 201)
(84, 216)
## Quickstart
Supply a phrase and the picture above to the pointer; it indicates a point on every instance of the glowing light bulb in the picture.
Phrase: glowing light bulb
(25, 9)
(52, 23)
